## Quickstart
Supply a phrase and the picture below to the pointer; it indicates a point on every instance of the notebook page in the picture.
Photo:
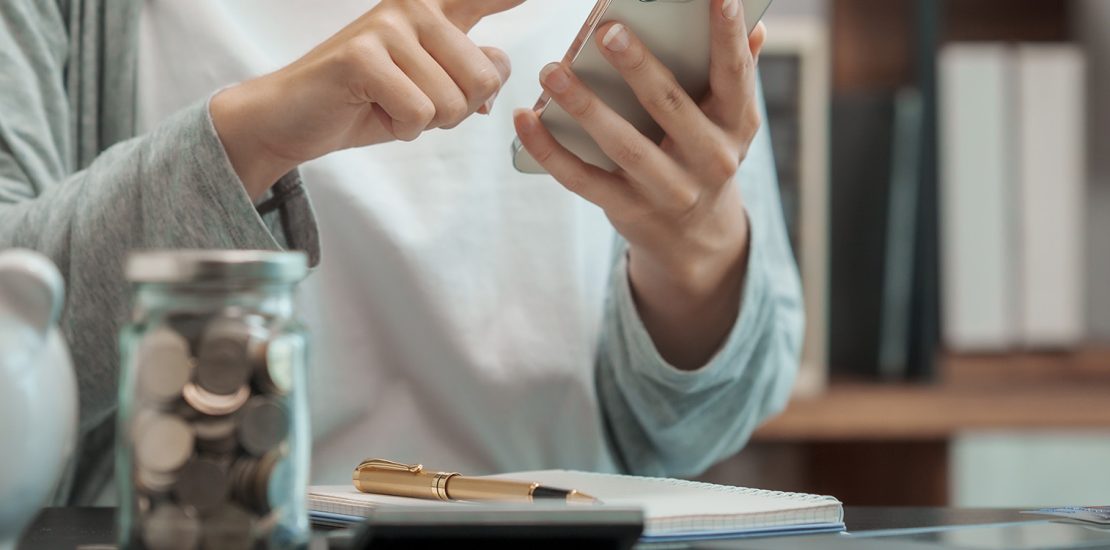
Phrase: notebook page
(348, 501)
(672, 505)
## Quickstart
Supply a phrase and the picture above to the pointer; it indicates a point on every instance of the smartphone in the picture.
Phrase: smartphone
(676, 31)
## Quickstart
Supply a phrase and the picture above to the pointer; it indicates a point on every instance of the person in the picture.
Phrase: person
(645, 321)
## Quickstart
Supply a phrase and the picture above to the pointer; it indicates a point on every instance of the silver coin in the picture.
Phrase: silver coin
(164, 365)
(223, 362)
(243, 474)
(154, 483)
(170, 528)
(216, 434)
(202, 484)
(163, 443)
(274, 364)
(213, 404)
(228, 527)
(263, 425)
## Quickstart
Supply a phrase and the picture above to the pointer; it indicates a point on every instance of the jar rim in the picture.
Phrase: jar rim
(202, 266)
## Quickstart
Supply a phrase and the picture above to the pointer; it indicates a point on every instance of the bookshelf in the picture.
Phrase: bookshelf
(867, 411)
(873, 444)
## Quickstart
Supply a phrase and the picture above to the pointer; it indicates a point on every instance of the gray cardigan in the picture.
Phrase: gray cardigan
(76, 185)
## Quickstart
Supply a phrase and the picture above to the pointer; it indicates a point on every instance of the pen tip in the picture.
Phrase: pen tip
(574, 497)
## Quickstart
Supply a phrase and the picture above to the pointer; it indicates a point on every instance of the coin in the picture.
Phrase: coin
(274, 361)
(202, 484)
(242, 481)
(223, 363)
(164, 365)
(163, 443)
(228, 527)
(216, 434)
(213, 404)
(263, 425)
(154, 483)
(170, 528)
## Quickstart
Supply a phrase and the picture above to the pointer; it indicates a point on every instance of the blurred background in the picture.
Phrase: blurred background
(945, 167)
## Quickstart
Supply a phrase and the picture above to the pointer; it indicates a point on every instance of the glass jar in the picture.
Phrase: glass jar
(213, 431)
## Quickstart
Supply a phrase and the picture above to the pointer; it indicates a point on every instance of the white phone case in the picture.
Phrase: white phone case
(676, 31)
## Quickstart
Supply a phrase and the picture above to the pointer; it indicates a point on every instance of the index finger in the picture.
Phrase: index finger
(467, 13)
(732, 65)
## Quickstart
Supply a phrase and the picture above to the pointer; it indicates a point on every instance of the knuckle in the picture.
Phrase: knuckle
(358, 54)
(671, 100)
(637, 60)
(454, 111)
(575, 182)
(684, 201)
(583, 107)
(723, 165)
(486, 83)
(630, 154)
(423, 113)
(544, 154)
(408, 134)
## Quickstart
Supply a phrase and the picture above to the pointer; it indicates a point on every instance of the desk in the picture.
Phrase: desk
(74, 527)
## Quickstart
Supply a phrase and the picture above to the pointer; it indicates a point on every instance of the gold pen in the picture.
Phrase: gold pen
(385, 477)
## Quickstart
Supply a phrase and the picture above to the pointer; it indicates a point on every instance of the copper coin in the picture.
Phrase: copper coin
(213, 404)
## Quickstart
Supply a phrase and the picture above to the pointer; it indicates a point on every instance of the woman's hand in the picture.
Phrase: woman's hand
(675, 203)
(405, 67)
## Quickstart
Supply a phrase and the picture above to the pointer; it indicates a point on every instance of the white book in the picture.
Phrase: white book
(673, 509)
(978, 195)
(1052, 182)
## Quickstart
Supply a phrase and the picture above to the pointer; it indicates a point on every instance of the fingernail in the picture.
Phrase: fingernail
(616, 40)
(732, 8)
(555, 78)
(488, 106)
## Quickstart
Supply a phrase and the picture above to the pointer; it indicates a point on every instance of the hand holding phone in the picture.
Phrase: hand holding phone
(674, 201)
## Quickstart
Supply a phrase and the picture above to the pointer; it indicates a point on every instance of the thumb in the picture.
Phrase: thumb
(467, 13)
(757, 40)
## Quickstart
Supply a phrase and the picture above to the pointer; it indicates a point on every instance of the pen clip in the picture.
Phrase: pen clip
(382, 464)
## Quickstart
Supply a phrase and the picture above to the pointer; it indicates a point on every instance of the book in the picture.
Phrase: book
(978, 197)
(901, 232)
(1052, 114)
(1014, 200)
(674, 510)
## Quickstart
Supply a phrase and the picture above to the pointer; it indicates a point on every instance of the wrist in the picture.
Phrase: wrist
(694, 274)
(239, 114)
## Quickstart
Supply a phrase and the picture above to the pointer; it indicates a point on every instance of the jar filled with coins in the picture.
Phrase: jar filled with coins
(213, 441)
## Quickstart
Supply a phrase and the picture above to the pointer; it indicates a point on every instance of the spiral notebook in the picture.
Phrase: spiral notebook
(674, 510)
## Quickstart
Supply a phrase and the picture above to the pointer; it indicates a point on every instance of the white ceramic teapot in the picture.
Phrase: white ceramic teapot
(38, 392)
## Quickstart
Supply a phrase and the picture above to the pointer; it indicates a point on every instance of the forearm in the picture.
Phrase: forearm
(671, 422)
(171, 189)
(690, 309)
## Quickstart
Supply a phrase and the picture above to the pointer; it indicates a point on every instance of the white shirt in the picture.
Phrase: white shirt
(457, 313)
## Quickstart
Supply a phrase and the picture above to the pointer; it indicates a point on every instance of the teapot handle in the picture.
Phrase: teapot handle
(31, 288)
